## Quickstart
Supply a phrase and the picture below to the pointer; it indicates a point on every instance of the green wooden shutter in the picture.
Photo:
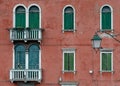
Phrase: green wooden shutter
(68, 21)
(34, 18)
(109, 61)
(68, 18)
(20, 57)
(66, 61)
(34, 57)
(71, 61)
(106, 20)
(104, 61)
(20, 18)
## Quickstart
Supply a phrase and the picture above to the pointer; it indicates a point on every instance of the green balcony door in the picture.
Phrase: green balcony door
(34, 17)
(33, 62)
(19, 57)
(20, 17)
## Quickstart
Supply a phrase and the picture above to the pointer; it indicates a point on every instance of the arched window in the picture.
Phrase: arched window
(106, 18)
(20, 17)
(34, 17)
(68, 18)
(33, 57)
(19, 57)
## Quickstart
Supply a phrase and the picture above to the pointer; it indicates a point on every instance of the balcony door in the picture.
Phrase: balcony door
(34, 17)
(33, 57)
(19, 57)
(27, 58)
(20, 18)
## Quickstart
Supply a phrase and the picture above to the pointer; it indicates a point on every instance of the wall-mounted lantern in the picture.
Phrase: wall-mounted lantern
(96, 41)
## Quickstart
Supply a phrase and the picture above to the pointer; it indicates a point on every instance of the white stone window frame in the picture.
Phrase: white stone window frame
(101, 16)
(26, 14)
(68, 50)
(106, 51)
(74, 29)
(26, 58)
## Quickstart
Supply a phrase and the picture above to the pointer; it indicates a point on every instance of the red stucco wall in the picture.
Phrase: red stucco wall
(87, 22)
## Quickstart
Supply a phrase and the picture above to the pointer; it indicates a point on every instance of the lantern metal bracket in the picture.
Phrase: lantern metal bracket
(96, 40)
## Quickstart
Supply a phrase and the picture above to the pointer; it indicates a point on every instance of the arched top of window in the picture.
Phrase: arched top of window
(34, 9)
(106, 9)
(68, 10)
(19, 48)
(20, 9)
(34, 47)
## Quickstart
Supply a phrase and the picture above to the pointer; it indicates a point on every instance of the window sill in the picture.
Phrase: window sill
(69, 71)
(69, 30)
(106, 30)
(106, 71)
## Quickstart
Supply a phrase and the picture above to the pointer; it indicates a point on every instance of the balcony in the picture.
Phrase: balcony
(25, 75)
(20, 34)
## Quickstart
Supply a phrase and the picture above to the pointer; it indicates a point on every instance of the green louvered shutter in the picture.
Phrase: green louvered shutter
(109, 61)
(66, 61)
(68, 18)
(106, 61)
(71, 61)
(20, 18)
(68, 21)
(20, 57)
(34, 57)
(106, 21)
(34, 17)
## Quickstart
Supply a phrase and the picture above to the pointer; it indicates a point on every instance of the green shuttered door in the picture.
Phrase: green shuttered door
(34, 17)
(34, 57)
(20, 57)
(20, 17)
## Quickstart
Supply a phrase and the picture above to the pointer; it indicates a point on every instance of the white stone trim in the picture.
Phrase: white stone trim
(39, 14)
(101, 16)
(106, 51)
(13, 49)
(68, 50)
(14, 12)
(63, 16)
(26, 57)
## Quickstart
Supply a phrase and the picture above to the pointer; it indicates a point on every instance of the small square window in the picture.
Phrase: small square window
(106, 61)
(68, 60)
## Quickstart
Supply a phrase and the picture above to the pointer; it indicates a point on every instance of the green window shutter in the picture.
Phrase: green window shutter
(20, 18)
(34, 17)
(106, 61)
(68, 18)
(33, 57)
(106, 20)
(68, 21)
(109, 61)
(71, 61)
(66, 61)
(20, 57)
